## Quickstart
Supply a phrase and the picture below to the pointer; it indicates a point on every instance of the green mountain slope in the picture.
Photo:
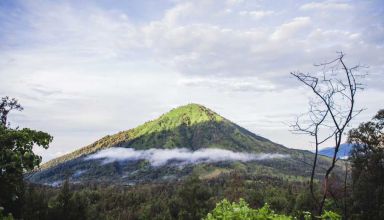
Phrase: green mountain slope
(191, 126)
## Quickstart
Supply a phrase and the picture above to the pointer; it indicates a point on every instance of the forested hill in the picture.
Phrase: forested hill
(189, 130)
(191, 126)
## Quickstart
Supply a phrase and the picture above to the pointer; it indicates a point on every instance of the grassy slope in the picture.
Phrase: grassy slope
(168, 121)
(191, 126)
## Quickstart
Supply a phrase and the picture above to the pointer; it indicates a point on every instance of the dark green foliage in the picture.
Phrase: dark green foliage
(62, 205)
(36, 203)
(192, 200)
(189, 198)
(6, 106)
(305, 202)
(16, 157)
(367, 159)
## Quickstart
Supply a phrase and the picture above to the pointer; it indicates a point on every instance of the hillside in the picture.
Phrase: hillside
(192, 126)
(186, 130)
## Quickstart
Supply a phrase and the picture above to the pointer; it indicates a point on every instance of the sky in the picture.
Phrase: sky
(85, 69)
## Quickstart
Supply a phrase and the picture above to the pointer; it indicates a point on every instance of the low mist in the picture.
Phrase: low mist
(159, 157)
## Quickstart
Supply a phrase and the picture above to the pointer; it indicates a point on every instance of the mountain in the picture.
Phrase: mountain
(187, 139)
(344, 151)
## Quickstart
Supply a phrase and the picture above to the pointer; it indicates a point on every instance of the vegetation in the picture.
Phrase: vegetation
(236, 211)
(16, 157)
(191, 198)
(241, 211)
(367, 159)
(191, 126)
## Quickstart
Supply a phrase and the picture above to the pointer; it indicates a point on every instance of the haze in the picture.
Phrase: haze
(181, 156)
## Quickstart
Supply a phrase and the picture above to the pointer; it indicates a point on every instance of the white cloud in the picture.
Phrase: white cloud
(234, 2)
(291, 28)
(175, 14)
(256, 14)
(181, 156)
(325, 6)
(246, 84)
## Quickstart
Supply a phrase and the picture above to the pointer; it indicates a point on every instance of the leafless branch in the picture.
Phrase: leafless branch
(332, 108)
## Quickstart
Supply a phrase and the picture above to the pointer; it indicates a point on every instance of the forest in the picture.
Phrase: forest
(191, 198)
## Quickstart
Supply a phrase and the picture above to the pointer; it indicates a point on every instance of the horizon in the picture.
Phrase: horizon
(85, 70)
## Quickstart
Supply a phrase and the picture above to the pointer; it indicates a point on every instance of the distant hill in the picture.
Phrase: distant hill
(190, 138)
(344, 151)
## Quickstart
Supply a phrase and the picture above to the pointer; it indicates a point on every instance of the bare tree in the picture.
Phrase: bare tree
(345, 205)
(330, 110)
(312, 127)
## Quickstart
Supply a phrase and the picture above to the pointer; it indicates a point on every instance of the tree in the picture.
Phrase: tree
(192, 200)
(330, 111)
(6, 106)
(16, 157)
(367, 157)
(63, 205)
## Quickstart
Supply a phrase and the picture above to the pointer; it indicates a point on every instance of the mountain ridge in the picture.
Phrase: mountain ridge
(344, 151)
(192, 127)
(187, 115)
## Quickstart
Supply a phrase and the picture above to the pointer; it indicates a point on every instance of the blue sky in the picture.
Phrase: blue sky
(85, 69)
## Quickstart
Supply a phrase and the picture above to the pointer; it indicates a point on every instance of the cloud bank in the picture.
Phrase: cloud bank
(181, 156)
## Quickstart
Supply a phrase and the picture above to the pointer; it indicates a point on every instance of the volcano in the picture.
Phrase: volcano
(188, 139)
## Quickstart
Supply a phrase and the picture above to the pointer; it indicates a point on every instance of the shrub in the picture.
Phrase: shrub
(241, 211)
